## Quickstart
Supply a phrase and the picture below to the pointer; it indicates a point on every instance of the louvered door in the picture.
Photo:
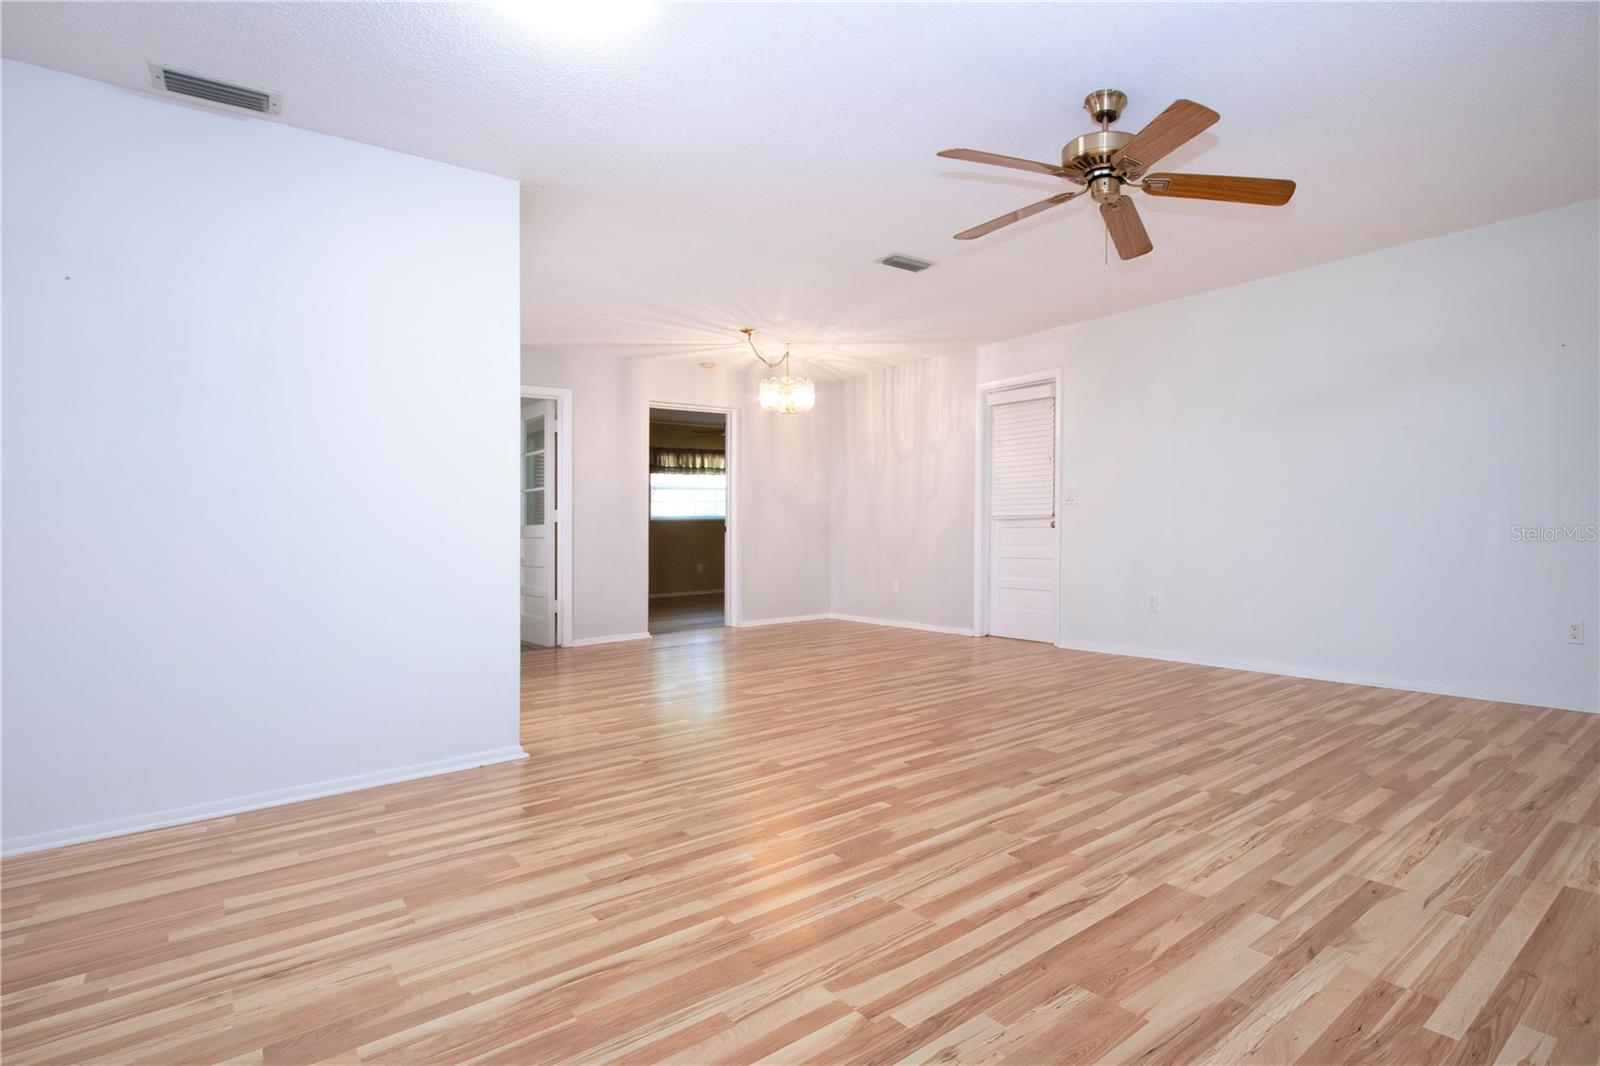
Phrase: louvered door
(1023, 591)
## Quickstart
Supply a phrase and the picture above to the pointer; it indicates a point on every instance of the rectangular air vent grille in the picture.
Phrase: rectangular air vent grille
(905, 262)
(187, 83)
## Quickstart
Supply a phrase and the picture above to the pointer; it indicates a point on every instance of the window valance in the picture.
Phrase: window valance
(687, 461)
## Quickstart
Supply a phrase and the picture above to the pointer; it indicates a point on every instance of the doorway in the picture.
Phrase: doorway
(689, 479)
(1018, 558)
(542, 513)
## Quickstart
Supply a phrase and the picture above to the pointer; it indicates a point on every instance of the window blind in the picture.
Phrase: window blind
(1023, 459)
(688, 496)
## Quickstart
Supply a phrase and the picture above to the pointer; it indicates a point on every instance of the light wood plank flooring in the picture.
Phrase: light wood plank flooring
(833, 843)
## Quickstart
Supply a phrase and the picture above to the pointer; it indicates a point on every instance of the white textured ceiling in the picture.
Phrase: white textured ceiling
(731, 165)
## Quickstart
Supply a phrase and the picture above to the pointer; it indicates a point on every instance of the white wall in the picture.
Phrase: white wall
(901, 494)
(259, 462)
(1318, 473)
(780, 465)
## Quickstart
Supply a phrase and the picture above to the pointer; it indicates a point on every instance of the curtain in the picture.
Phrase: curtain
(687, 461)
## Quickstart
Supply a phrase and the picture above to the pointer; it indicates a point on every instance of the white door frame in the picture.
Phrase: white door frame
(731, 608)
(562, 513)
(980, 553)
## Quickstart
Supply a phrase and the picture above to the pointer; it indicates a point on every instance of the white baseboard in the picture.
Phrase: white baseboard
(830, 617)
(678, 595)
(57, 838)
(958, 631)
(752, 623)
(615, 638)
(1496, 694)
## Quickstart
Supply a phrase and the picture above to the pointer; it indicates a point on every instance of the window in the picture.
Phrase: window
(533, 487)
(688, 495)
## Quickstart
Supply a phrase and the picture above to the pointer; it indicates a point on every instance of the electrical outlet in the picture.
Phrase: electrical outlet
(1069, 497)
(894, 586)
(699, 568)
(1153, 603)
(1574, 632)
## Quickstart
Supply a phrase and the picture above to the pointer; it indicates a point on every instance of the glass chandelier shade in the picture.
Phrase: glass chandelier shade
(787, 395)
(782, 393)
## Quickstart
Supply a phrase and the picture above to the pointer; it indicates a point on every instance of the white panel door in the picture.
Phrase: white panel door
(538, 529)
(1022, 579)
(1023, 585)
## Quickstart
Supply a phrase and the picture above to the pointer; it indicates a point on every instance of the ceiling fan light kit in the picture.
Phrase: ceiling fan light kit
(1108, 163)
(781, 393)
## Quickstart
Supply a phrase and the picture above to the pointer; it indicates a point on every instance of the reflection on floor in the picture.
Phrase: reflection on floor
(674, 614)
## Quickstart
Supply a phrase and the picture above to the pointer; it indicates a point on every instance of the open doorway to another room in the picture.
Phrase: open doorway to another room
(688, 519)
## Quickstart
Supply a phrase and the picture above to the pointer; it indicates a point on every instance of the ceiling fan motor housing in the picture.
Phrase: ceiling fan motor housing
(1086, 157)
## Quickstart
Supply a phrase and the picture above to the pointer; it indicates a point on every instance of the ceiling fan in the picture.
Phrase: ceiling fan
(1107, 161)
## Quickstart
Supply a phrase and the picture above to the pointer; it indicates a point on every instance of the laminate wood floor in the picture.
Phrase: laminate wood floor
(833, 843)
(674, 614)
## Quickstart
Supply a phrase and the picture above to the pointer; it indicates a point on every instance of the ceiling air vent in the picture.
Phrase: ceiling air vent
(188, 83)
(905, 262)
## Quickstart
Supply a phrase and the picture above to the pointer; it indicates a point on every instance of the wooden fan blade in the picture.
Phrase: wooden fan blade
(972, 155)
(1127, 228)
(1177, 125)
(1268, 192)
(1014, 216)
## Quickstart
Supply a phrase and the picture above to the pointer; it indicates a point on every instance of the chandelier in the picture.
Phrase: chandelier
(781, 393)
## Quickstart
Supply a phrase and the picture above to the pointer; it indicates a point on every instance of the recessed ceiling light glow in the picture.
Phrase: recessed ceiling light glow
(581, 18)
